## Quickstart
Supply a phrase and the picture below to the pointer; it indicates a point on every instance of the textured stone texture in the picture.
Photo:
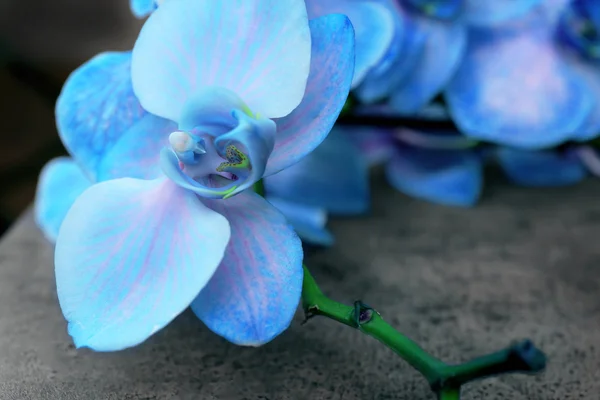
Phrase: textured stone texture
(525, 263)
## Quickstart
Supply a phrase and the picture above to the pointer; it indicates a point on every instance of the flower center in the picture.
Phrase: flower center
(221, 147)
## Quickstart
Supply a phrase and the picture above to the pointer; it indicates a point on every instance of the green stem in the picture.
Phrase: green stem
(449, 394)
(445, 380)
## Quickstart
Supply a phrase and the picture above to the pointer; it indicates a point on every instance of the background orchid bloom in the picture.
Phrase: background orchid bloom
(227, 107)
(447, 168)
(430, 42)
(374, 24)
(333, 179)
(534, 84)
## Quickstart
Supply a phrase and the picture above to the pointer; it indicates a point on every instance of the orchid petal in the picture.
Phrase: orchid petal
(61, 182)
(489, 12)
(515, 89)
(541, 168)
(446, 177)
(95, 107)
(334, 177)
(406, 52)
(130, 256)
(239, 45)
(142, 8)
(374, 29)
(376, 145)
(444, 47)
(328, 85)
(308, 222)
(254, 294)
(136, 153)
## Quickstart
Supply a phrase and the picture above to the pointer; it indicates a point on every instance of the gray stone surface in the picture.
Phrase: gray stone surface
(525, 263)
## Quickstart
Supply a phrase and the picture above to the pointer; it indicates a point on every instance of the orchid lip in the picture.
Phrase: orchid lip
(223, 153)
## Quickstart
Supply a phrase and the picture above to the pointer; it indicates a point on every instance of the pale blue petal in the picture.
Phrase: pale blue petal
(61, 182)
(254, 294)
(136, 153)
(130, 256)
(142, 8)
(444, 47)
(243, 46)
(541, 168)
(489, 12)
(515, 89)
(328, 85)
(446, 177)
(406, 51)
(96, 106)
(373, 24)
(335, 177)
(308, 222)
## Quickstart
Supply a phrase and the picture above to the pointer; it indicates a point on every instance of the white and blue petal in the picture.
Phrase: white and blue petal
(258, 49)
(96, 106)
(490, 12)
(61, 182)
(130, 256)
(308, 222)
(541, 168)
(374, 27)
(452, 178)
(254, 294)
(515, 89)
(444, 47)
(334, 177)
(326, 92)
(136, 153)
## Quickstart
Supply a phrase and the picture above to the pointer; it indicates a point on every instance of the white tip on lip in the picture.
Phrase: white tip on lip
(181, 141)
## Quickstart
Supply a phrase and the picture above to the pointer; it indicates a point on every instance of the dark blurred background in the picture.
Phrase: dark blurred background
(41, 42)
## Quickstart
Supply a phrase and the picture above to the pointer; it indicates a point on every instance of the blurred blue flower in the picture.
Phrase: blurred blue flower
(333, 179)
(541, 168)
(428, 46)
(374, 25)
(179, 228)
(533, 84)
(447, 168)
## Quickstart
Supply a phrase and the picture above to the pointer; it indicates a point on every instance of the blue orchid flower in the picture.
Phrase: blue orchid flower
(536, 84)
(333, 179)
(428, 46)
(169, 227)
(374, 25)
